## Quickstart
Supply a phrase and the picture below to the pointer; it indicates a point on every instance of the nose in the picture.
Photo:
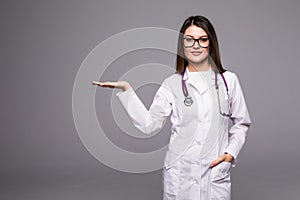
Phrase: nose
(196, 45)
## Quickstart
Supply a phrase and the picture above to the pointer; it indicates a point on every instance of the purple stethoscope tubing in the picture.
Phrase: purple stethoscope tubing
(188, 99)
(185, 91)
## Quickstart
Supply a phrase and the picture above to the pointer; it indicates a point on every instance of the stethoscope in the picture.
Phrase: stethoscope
(188, 101)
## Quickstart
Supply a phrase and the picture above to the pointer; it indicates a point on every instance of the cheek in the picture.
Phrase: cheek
(206, 50)
(184, 51)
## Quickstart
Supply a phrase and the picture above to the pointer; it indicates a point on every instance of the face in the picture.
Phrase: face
(196, 54)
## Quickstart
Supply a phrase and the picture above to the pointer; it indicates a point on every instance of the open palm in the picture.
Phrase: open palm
(124, 85)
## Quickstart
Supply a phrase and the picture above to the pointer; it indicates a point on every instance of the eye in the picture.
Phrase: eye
(189, 39)
(204, 39)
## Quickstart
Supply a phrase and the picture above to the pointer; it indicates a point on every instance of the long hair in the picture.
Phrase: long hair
(214, 53)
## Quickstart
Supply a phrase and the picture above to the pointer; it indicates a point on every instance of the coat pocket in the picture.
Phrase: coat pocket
(171, 181)
(221, 171)
(220, 184)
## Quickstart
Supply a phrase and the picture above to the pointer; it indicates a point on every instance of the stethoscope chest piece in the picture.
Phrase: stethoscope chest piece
(188, 101)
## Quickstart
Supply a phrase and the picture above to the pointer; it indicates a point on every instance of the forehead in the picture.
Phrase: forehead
(195, 31)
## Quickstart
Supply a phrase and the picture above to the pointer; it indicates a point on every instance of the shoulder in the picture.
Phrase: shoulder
(171, 84)
(233, 80)
(173, 77)
(172, 80)
(231, 77)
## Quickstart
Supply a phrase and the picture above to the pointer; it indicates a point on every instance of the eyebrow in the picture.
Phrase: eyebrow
(199, 37)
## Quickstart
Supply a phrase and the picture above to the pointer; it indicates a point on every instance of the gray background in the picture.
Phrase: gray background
(43, 44)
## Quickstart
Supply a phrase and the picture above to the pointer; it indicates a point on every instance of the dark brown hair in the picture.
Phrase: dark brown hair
(214, 53)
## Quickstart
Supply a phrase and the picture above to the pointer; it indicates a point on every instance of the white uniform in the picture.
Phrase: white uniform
(186, 172)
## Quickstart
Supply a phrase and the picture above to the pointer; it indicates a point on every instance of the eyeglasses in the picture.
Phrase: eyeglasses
(190, 41)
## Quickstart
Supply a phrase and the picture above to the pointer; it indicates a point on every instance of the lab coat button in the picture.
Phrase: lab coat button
(200, 121)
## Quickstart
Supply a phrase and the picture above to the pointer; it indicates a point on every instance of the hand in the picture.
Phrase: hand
(124, 85)
(226, 157)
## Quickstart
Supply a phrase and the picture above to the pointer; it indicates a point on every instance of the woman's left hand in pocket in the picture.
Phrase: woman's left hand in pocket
(226, 157)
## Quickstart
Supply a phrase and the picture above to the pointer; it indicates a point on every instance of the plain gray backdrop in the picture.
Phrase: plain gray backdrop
(43, 44)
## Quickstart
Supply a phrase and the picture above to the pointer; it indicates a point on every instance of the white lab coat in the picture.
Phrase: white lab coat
(186, 172)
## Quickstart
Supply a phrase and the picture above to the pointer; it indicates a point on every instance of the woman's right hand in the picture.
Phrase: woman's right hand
(124, 85)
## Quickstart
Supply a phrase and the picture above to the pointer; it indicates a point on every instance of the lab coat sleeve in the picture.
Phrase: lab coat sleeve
(241, 121)
(152, 120)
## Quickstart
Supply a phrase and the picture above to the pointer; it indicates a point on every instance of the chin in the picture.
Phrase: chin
(197, 60)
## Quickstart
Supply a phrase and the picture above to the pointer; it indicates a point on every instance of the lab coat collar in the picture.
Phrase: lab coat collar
(186, 74)
(201, 88)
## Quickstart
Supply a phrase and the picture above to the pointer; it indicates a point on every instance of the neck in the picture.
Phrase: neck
(198, 67)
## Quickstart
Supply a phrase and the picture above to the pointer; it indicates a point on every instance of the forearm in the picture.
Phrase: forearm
(147, 121)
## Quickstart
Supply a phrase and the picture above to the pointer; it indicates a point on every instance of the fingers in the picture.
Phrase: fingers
(226, 157)
(105, 84)
(124, 85)
(97, 83)
(217, 161)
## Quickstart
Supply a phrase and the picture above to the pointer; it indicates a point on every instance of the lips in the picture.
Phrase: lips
(196, 53)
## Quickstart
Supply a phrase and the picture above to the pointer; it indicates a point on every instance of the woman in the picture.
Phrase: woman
(202, 148)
